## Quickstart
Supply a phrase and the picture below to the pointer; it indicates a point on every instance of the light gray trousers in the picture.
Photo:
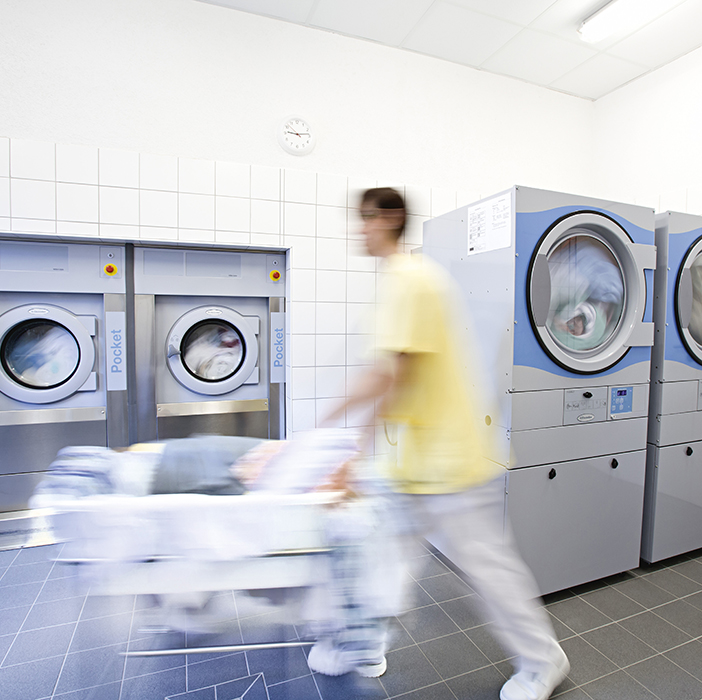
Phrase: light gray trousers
(468, 527)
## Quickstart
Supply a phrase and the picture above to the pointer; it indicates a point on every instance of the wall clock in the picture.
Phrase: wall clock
(296, 136)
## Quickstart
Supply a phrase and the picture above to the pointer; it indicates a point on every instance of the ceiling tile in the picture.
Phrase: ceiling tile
(673, 35)
(537, 57)
(598, 76)
(292, 11)
(387, 21)
(522, 12)
(459, 35)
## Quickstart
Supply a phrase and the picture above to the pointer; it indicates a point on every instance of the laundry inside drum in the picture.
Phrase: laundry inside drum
(212, 350)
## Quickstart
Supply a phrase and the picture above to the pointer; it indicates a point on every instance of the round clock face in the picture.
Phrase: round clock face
(295, 136)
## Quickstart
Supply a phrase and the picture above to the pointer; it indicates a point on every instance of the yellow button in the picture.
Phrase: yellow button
(274, 275)
(110, 269)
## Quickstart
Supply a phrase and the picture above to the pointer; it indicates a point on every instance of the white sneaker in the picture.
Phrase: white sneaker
(527, 685)
(327, 658)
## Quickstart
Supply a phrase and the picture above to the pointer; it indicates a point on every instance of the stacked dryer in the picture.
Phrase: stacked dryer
(673, 506)
(559, 289)
(62, 356)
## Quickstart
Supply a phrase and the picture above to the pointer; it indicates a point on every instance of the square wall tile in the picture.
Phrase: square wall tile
(34, 160)
(331, 254)
(303, 350)
(33, 225)
(196, 176)
(266, 240)
(196, 211)
(77, 164)
(77, 202)
(356, 187)
(331, 317)
(302, 285)
(303, 250)
(119, 205)
(414, 230)
(332, 189)
(118, 168)
(359, 349)
(330, 350)
(232, 214)
(442, 201)
(193, 235)
(418, 200)
(324, 408)
(357, 258)
(4, 196)
(303, 414)
(158, 172)
(299, 219)
(33, 199)
(76, 228)
(242, 238)
(232, 179)
(119, 231)
(301, 317)
(360, 318)
(4, 157)
(158, 233)
(331, 382)
(331, 285)
(303, 382)
(360, 417)
(299, 186)
(158, 208)
(361, 287)
(332, 222)
(265, 182)
(265, 216)
(5, 223)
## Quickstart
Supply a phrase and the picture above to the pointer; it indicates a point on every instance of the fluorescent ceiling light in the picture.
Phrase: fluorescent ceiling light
(622, 17)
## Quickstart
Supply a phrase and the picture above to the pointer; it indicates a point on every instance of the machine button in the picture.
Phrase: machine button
(587, 394)
(274, 275)
(110, 269)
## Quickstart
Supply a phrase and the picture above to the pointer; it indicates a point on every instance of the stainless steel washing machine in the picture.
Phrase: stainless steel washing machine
(209, 343)
(62, 356)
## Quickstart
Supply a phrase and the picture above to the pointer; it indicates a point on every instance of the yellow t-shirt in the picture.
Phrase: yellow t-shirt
(440, 441)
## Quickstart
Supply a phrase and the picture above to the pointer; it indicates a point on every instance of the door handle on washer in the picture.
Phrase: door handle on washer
(172, 350)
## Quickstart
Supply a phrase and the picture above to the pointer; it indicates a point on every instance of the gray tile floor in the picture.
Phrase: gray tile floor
(635, 636)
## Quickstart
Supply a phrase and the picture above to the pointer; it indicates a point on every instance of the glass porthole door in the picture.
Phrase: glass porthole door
(46, 353)
(586, 292)
(212, 350)
(688, 301)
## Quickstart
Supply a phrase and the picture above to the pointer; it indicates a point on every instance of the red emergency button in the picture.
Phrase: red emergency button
(274, 275)
(110, 269)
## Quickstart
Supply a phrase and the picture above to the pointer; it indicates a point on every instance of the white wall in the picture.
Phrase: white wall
(648, 143)
(155, 119)
(180, 77)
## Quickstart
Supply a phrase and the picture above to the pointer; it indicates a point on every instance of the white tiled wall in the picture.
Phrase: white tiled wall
(48, 188)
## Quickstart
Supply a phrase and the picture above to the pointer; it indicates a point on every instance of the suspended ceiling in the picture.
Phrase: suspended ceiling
(531, 40)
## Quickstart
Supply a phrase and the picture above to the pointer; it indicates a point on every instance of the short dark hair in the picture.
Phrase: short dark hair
(386, 198)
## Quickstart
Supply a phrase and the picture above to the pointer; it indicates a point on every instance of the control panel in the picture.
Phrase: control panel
(585, 405)
(620, 400)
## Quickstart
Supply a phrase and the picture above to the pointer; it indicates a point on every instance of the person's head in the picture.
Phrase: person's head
(383, 212)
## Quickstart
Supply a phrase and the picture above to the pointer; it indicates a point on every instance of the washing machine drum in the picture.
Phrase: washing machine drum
(688, 301)
(212, 350)
(587, 292)
(46, 353)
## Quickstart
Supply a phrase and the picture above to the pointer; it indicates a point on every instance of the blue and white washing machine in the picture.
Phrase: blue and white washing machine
(673, 504)
(559, 288)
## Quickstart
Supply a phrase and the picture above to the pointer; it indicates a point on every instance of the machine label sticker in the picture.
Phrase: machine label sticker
(115, 342)
(277, 347)
(490, 224)
(586, 417)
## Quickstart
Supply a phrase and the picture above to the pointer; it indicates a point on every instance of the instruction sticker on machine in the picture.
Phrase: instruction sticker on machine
(490, 224)
(277, 347)
(115, 334)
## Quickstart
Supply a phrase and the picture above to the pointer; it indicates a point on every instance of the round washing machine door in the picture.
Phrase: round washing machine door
(688, 300)
(212, 350)
(46, 353)
(586, 292)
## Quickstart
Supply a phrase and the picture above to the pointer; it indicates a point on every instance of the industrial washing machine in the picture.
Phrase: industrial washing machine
(209, 343)
(673, 502)
(559, 288)
(62, 356)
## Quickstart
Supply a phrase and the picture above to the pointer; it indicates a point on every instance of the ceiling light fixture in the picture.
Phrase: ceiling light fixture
(621, 16)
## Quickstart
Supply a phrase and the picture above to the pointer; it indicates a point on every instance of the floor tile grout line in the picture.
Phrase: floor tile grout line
(129, 639)
(65, 656)
(241, 632)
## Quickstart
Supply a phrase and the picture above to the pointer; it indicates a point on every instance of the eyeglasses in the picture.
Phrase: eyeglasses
(368, 214)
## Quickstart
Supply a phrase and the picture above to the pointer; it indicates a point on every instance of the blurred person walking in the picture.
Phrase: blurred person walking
(442, 481)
